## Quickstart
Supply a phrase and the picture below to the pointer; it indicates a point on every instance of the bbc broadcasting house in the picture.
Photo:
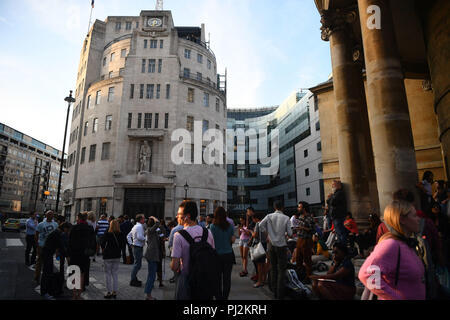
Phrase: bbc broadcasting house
(139, 79)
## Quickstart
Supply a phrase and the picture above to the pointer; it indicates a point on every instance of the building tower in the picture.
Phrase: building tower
(139, 79)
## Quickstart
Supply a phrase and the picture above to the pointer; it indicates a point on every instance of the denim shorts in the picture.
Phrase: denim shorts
(243, 243)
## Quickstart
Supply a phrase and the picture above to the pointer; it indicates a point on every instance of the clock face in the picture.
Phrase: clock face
(154, 22)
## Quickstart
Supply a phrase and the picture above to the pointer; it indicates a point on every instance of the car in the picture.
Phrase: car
(23, 223)
(11, 224)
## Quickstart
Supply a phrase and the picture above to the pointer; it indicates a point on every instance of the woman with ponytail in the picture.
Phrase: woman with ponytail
(394, 271)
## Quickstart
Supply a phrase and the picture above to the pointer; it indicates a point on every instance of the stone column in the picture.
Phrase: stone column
(356, 168)
(390, 126)
(437, 39)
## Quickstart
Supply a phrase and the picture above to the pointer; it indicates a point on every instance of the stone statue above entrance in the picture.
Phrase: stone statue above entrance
(145, 157)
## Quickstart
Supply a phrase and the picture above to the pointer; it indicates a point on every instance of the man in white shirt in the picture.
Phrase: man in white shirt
(136, 238)
(277, 225)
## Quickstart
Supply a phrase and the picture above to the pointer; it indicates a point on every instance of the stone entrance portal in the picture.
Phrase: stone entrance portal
(149, 202)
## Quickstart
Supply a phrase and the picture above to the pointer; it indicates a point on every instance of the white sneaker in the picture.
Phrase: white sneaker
(48, 297)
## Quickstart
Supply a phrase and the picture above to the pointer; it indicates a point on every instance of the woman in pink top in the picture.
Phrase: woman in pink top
(244, 238)
(401, 274)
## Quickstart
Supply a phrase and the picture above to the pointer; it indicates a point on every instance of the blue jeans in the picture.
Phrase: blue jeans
(341, 231)
(152, 267)
(137, 251)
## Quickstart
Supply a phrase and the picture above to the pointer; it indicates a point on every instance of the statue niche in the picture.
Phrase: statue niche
(145, 157)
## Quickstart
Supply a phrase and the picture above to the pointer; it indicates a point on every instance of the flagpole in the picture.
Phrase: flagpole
(90, 17)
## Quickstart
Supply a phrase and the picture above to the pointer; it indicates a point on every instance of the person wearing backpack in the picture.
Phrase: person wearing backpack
(194, 258)
(82, 245)
(112, 242)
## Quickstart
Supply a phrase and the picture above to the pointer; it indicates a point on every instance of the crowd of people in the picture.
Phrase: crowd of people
(410, 248)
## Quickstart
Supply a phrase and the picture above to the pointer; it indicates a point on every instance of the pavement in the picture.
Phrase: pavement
(16, 279)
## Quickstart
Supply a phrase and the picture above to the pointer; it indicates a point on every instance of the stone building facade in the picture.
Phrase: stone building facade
(385, 115)
(308, 161)
(140, 78)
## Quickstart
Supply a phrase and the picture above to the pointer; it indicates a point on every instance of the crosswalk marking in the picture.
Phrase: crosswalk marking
(14, 243)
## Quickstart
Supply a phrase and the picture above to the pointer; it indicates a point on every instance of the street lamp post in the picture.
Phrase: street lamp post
(69, 100)
(186, 188)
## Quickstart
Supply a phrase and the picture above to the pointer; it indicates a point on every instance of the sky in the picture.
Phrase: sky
(270, 48)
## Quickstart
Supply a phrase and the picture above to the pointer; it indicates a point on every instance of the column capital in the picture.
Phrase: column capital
(337, 19)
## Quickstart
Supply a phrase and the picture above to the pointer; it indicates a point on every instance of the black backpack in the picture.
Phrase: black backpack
(204, 267)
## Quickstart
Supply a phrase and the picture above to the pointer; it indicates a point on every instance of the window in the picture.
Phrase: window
(110, 75)
(92, 150)
(148, 121)
(104, 61)
(158, 91)
(88, 102)
(123, 53)
(306, 172)
(143, 65)
(190, 123)
(137, 24)
(199, 76)
(95, 126)
(318, 126)
(316, 103)
(208, 80)
(98, 97)
(145, 44)
(86, 126)
(153, 44)
(159, 65)
(108, 123)
(118, 26)
(199, 58)
(187, 53)
(105, 150)
(190, 95)
(127, 25)
(208, 63)
(156, 120)
(187, 73)
(217, 105)
(112, 57)
(83, 155)
(130, 119)
(319, 146)
(167, 91)
(308, 191)
(111, 94)
(151, 65)
(166, 121)
(205, 99)
(161, 44)
(139, 120)
(320, 167)
(150, 90)
(205, 125)
(131, 91)
(305, 153)
(141, 92)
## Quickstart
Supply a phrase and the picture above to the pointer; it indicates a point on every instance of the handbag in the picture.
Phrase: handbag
(257, 251)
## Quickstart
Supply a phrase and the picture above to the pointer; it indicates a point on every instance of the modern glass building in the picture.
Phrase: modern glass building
(28, 168)
(246, 186)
